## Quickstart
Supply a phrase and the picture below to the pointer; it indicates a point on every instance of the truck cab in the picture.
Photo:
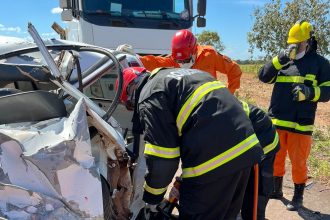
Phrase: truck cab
(146, 25)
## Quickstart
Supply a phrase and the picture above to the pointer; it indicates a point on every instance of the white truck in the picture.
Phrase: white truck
(146, 25)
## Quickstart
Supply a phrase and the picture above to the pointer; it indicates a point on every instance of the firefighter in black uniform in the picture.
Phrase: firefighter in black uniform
(269, 140)
(188, 114)
(302, 79)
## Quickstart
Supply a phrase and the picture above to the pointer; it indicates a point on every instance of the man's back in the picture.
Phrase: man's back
(198, 114)
(188, 114)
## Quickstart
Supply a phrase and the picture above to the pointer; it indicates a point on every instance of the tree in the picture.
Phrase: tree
(210, 38)
(273, 22)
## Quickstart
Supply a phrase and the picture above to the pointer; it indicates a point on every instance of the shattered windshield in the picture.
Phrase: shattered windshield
(155, 9)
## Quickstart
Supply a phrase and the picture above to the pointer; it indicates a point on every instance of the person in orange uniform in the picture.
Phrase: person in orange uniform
(187, 53)
(301, 79)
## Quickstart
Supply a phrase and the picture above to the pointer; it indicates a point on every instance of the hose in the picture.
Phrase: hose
(256, 186)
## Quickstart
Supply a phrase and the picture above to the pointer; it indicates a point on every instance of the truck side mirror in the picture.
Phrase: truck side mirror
(66, 15)
(201, 7)
(65, 4)
(201, 22)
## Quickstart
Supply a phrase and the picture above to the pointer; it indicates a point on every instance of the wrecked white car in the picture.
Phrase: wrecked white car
(62, 153)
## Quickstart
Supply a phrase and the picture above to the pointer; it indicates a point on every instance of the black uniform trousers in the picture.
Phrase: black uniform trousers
(221, 199)
(264, 190)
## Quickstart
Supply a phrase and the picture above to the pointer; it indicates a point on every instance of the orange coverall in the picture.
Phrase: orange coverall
(208, 60)
(298, 147)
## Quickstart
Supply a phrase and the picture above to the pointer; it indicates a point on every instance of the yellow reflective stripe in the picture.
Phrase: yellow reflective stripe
(193, 100)
(221, 159)
(154, 190)
(271, 146)
(163, 152)
(276, 63)
(246, 108)
(327, 83)
(290, 79)
(317, 92)
(294, 125)
(297, 79)
(156, 70)
(272, 80)
(311, 77)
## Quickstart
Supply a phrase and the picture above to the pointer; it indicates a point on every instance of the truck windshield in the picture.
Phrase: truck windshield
(157, 14)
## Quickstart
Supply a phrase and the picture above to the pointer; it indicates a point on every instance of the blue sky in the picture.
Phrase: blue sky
(232, 19)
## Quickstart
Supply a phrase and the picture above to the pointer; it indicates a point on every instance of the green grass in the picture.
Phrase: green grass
(319, 159)
(250, 68)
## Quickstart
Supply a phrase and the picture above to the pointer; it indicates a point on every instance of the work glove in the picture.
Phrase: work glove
(151, 208)
(302, 92)
(174, 193)
(126, 48)
(285, 56)
(149, 212)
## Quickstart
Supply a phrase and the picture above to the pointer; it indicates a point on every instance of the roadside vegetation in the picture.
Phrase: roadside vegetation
(319, 159)
(251, 68)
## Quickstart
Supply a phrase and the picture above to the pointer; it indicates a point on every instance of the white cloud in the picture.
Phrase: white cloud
(49, 35)
(57, 10)
(10, 29)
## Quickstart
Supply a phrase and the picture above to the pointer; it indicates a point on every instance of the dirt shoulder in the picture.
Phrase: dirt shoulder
(316, 201)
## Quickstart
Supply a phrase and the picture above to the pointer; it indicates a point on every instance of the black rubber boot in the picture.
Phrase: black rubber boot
(277, 191)
(297, 199)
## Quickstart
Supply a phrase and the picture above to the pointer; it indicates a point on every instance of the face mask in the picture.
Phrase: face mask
(189, 64)
(293, 51)
(300, 55)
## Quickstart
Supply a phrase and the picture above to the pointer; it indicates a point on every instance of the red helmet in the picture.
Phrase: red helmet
(129, 74)
(184, 45)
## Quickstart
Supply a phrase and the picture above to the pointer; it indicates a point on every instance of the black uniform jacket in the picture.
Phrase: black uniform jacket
(188, 114)
(264, 128)
(312, 70)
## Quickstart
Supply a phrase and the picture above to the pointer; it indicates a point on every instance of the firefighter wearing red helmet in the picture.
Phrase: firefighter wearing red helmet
(187, 114)
(187, 53)
(184, 47)
(131, 78)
